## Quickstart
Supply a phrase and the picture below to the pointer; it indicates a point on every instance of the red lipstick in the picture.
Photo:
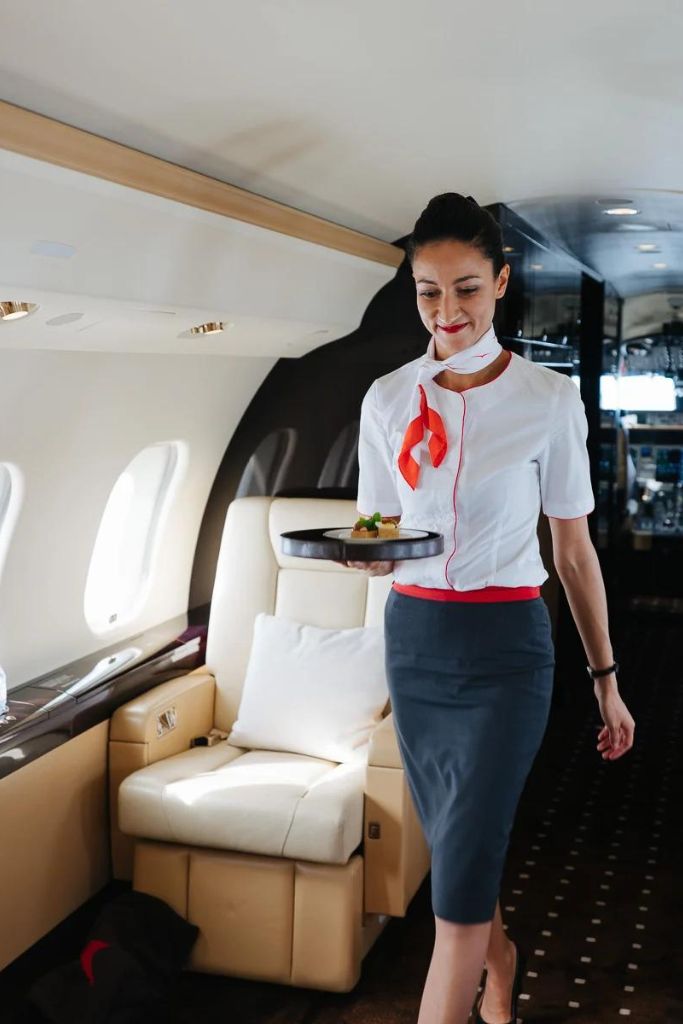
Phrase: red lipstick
(452, 330)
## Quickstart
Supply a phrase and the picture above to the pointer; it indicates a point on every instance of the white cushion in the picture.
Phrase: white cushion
(270, 803)
(312, 691)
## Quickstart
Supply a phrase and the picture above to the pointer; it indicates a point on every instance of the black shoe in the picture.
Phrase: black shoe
(520, 963)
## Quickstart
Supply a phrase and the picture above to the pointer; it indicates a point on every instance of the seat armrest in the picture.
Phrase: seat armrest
(383, 751)
(182, 708)
(150, 728)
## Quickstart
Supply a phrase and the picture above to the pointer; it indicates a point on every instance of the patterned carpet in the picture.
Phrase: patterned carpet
(592, 890)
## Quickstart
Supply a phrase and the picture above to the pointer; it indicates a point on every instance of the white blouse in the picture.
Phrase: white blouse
(515, 446)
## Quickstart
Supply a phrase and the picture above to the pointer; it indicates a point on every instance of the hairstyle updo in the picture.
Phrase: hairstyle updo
(460, 218)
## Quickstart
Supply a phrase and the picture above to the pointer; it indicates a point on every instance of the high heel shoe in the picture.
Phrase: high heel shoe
(520, 964)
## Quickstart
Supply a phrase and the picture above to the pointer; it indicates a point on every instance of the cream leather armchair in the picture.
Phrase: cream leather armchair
(294, 887)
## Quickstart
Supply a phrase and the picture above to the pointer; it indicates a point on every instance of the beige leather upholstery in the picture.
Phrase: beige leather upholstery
(189, 699)
(289, 864)
(255, 801)
(252, 576)
(155, 726)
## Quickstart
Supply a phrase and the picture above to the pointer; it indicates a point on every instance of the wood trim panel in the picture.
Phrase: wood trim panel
(43, 138)
(54, 852)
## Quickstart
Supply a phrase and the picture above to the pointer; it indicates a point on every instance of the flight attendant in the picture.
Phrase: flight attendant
(472, 441)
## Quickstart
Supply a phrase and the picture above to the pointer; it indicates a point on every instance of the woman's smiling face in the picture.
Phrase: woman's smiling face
(457, 288)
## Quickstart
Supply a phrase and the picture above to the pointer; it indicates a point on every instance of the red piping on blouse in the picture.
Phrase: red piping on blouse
(455, 485)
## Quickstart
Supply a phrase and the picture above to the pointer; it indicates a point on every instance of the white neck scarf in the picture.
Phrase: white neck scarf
(469, 360)
(423, 417)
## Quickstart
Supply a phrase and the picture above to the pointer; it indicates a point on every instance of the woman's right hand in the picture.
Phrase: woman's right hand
(370, 568)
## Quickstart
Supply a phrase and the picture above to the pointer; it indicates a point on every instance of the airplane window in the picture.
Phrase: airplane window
(11, 490)
(5, 492)
(341, 464)
(119, 571)
(267, 468)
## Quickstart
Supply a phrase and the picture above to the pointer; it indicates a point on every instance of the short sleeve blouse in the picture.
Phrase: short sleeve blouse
(566, 491)
(516, 445)
(376, 472)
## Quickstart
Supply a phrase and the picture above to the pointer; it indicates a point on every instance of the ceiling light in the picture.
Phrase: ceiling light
(648, 247)
(536, 266)
(508, 248)
(16, 310)
(621, 211)
(632, 226)
(210, 328)
(659, 266)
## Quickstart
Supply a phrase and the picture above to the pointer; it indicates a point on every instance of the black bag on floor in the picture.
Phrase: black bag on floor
(126, 969)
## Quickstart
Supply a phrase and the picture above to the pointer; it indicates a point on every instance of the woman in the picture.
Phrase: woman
(472, 441)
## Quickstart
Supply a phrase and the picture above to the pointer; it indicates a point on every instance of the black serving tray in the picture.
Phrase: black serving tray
(316, 544)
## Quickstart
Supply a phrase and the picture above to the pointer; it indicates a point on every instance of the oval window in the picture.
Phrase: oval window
(341, 464)
(267, 468)
(119, 573)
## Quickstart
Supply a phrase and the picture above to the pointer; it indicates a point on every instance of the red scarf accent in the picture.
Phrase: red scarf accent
(437, 444)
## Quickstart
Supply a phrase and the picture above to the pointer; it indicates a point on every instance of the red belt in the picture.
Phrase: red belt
(483, 594)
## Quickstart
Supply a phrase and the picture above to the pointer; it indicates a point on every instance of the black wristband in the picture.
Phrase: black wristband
(595, 673)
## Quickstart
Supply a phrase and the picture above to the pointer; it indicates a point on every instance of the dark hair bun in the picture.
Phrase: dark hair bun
(460, 218)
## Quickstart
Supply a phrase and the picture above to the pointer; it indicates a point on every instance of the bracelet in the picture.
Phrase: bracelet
(595, 673)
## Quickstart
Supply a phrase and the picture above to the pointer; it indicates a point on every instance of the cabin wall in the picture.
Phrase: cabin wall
(71, 422)
(54, 853)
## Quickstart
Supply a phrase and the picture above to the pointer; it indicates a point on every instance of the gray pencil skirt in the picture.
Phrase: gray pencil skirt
(470, 687)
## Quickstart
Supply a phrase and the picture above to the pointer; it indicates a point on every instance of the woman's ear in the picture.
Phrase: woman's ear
(502, 284)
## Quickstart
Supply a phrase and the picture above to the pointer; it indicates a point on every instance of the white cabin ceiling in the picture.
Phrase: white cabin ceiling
(359, 112)
(142, 270)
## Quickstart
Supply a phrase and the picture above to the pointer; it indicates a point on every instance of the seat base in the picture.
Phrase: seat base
(265, 918)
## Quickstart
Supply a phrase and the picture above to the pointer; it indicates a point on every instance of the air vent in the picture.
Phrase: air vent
(55, 250)
(63, 319)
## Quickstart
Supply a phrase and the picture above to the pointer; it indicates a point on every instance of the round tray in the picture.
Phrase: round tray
(337, 544)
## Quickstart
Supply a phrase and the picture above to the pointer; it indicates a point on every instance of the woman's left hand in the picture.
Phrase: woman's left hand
(616, 737)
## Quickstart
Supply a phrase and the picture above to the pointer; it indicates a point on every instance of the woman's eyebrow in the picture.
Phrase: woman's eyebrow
(468, 277)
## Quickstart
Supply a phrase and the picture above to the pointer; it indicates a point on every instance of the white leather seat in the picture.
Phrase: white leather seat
(254, 801)
(290, 865)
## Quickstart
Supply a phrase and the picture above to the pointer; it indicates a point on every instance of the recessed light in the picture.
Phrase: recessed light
(625, 225)
(659, 266)
(16, 310)
(621, 211)
(536, 266)
(648, 247)
(508, 248)
(210, 328)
